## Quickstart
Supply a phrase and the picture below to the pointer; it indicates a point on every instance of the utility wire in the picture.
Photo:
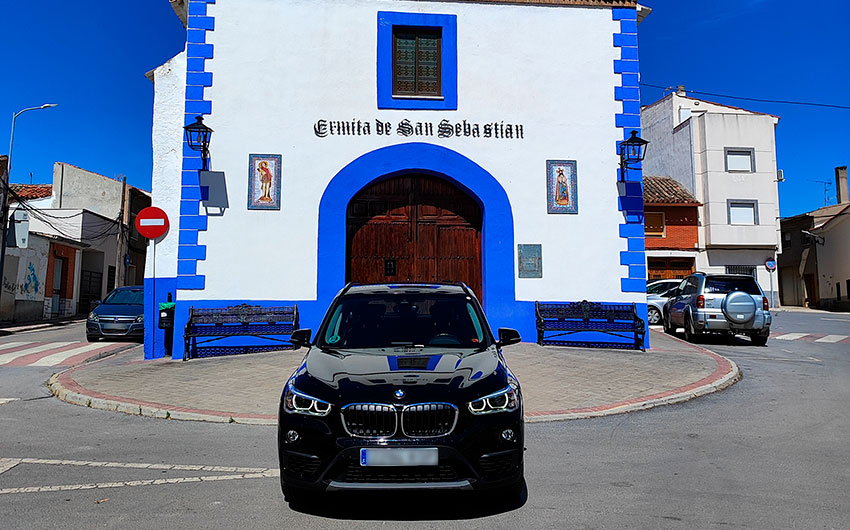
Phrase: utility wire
(784, 102)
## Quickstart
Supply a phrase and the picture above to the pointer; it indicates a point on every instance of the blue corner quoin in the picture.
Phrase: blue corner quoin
(192, 221)
(631, 201)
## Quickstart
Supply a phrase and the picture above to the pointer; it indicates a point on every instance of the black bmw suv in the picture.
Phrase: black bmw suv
(403, 387)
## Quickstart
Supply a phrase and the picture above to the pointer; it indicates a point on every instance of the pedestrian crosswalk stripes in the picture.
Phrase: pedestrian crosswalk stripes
(52, 353)
(790, 336)
(831, 338)
(812, 337)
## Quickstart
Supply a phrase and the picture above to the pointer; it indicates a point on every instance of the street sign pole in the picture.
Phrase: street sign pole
(152, 223)
(770, 266)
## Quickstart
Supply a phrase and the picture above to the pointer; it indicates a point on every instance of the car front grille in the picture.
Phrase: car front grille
(421, 420)
(398, 475)
(428, 419)
(369, 420)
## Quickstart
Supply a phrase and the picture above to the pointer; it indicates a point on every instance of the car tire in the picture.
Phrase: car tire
(668, 327)
(691, 334)
(92, 338)
(653, 316)
(759, 339)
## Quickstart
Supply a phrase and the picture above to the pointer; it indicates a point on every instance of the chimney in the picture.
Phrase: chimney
(680, 90)
(841, 184)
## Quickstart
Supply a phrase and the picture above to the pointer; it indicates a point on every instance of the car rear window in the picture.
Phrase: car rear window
(725, 285)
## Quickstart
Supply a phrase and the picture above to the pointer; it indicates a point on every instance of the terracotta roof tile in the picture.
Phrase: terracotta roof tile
(32, 191)
(665, 190)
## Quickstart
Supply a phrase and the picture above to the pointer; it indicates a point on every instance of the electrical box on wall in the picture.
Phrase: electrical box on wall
(18, 234)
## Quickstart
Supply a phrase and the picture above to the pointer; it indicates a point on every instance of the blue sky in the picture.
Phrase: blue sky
(91, 60)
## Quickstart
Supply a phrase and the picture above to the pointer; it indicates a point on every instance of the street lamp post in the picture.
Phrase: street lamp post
(4, 192)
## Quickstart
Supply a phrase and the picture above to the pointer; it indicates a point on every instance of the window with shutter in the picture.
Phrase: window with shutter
(416, 61)
(654, 224)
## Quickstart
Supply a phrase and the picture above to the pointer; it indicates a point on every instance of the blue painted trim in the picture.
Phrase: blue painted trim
(636, 244)
(448, 24)
(633, 285)
(499, 280)
(155, 337)
(190, 223)
(187, 267)
(630, 201)
(191, 282)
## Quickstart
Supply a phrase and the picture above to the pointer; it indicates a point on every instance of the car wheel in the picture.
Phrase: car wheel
(654, 316)
(691, 334)
(92, 338)
(668, 326)
(759, 339)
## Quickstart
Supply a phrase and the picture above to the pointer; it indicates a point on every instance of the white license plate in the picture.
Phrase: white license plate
(398, 456)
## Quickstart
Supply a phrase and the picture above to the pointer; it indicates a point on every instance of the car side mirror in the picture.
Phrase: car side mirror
(668, 294)
(508, 336)
(97, 303)
(301, 337)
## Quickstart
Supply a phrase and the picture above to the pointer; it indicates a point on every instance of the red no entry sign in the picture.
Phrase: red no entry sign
(152, 222)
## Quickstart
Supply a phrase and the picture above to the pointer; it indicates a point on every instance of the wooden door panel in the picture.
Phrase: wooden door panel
(429, 228)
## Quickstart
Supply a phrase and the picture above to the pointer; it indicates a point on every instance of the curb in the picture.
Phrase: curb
(65, 388)
(40, 325)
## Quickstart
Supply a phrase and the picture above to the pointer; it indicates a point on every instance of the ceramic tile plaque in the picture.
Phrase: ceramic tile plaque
(561, 186)
(530, 259)
(264, 182)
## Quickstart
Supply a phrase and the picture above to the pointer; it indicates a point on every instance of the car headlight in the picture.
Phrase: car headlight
(140, 318)
(298, 402)
(504, 400)
(93, 317)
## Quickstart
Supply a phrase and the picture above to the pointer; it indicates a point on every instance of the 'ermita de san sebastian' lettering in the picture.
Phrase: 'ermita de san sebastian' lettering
(407, 128)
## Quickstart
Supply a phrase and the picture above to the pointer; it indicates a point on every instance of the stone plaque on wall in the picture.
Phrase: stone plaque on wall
(530, 259)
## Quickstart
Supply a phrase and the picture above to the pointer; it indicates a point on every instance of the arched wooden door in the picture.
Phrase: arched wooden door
(414, 228)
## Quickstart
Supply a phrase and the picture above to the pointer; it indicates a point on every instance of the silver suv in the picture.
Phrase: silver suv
(721, 303)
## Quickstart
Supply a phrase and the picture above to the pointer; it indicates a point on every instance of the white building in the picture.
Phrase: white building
(391, 140)
(726, 157)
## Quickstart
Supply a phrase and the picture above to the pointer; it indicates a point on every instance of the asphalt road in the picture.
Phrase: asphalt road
(769, 452)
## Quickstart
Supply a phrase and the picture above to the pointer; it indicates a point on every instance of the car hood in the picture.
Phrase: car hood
(119, 310)
(423, 375)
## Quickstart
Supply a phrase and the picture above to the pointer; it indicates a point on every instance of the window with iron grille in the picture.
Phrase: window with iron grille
(741, 269)
(416, 61)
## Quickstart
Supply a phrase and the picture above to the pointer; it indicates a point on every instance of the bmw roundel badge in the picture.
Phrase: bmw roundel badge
(399, 393)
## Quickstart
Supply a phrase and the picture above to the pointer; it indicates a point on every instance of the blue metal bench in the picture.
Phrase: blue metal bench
(268, 325)
(558, 320)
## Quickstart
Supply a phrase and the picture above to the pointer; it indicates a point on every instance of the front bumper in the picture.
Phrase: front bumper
(472, 456)
(117, 329)
(715, 320)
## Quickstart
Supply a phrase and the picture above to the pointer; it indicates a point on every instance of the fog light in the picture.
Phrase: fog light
(508, 435)
(292, 436)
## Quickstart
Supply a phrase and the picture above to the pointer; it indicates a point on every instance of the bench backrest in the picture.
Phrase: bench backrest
(585, 310)
(242, 314)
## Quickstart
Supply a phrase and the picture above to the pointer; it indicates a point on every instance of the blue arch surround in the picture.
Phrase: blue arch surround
(497, 246)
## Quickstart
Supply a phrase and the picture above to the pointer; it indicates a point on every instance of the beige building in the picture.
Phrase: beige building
(726, 157)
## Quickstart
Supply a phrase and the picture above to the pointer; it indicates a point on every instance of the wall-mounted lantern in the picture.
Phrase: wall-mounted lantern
(198, 137)
(632, 151)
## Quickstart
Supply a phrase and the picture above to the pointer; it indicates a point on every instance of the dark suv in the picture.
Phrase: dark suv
(718, 303)
(403, 387)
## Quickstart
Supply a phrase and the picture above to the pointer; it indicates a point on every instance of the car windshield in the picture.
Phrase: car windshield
(412, 320)
(660, 287)
(126, 297)
(725, 285)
